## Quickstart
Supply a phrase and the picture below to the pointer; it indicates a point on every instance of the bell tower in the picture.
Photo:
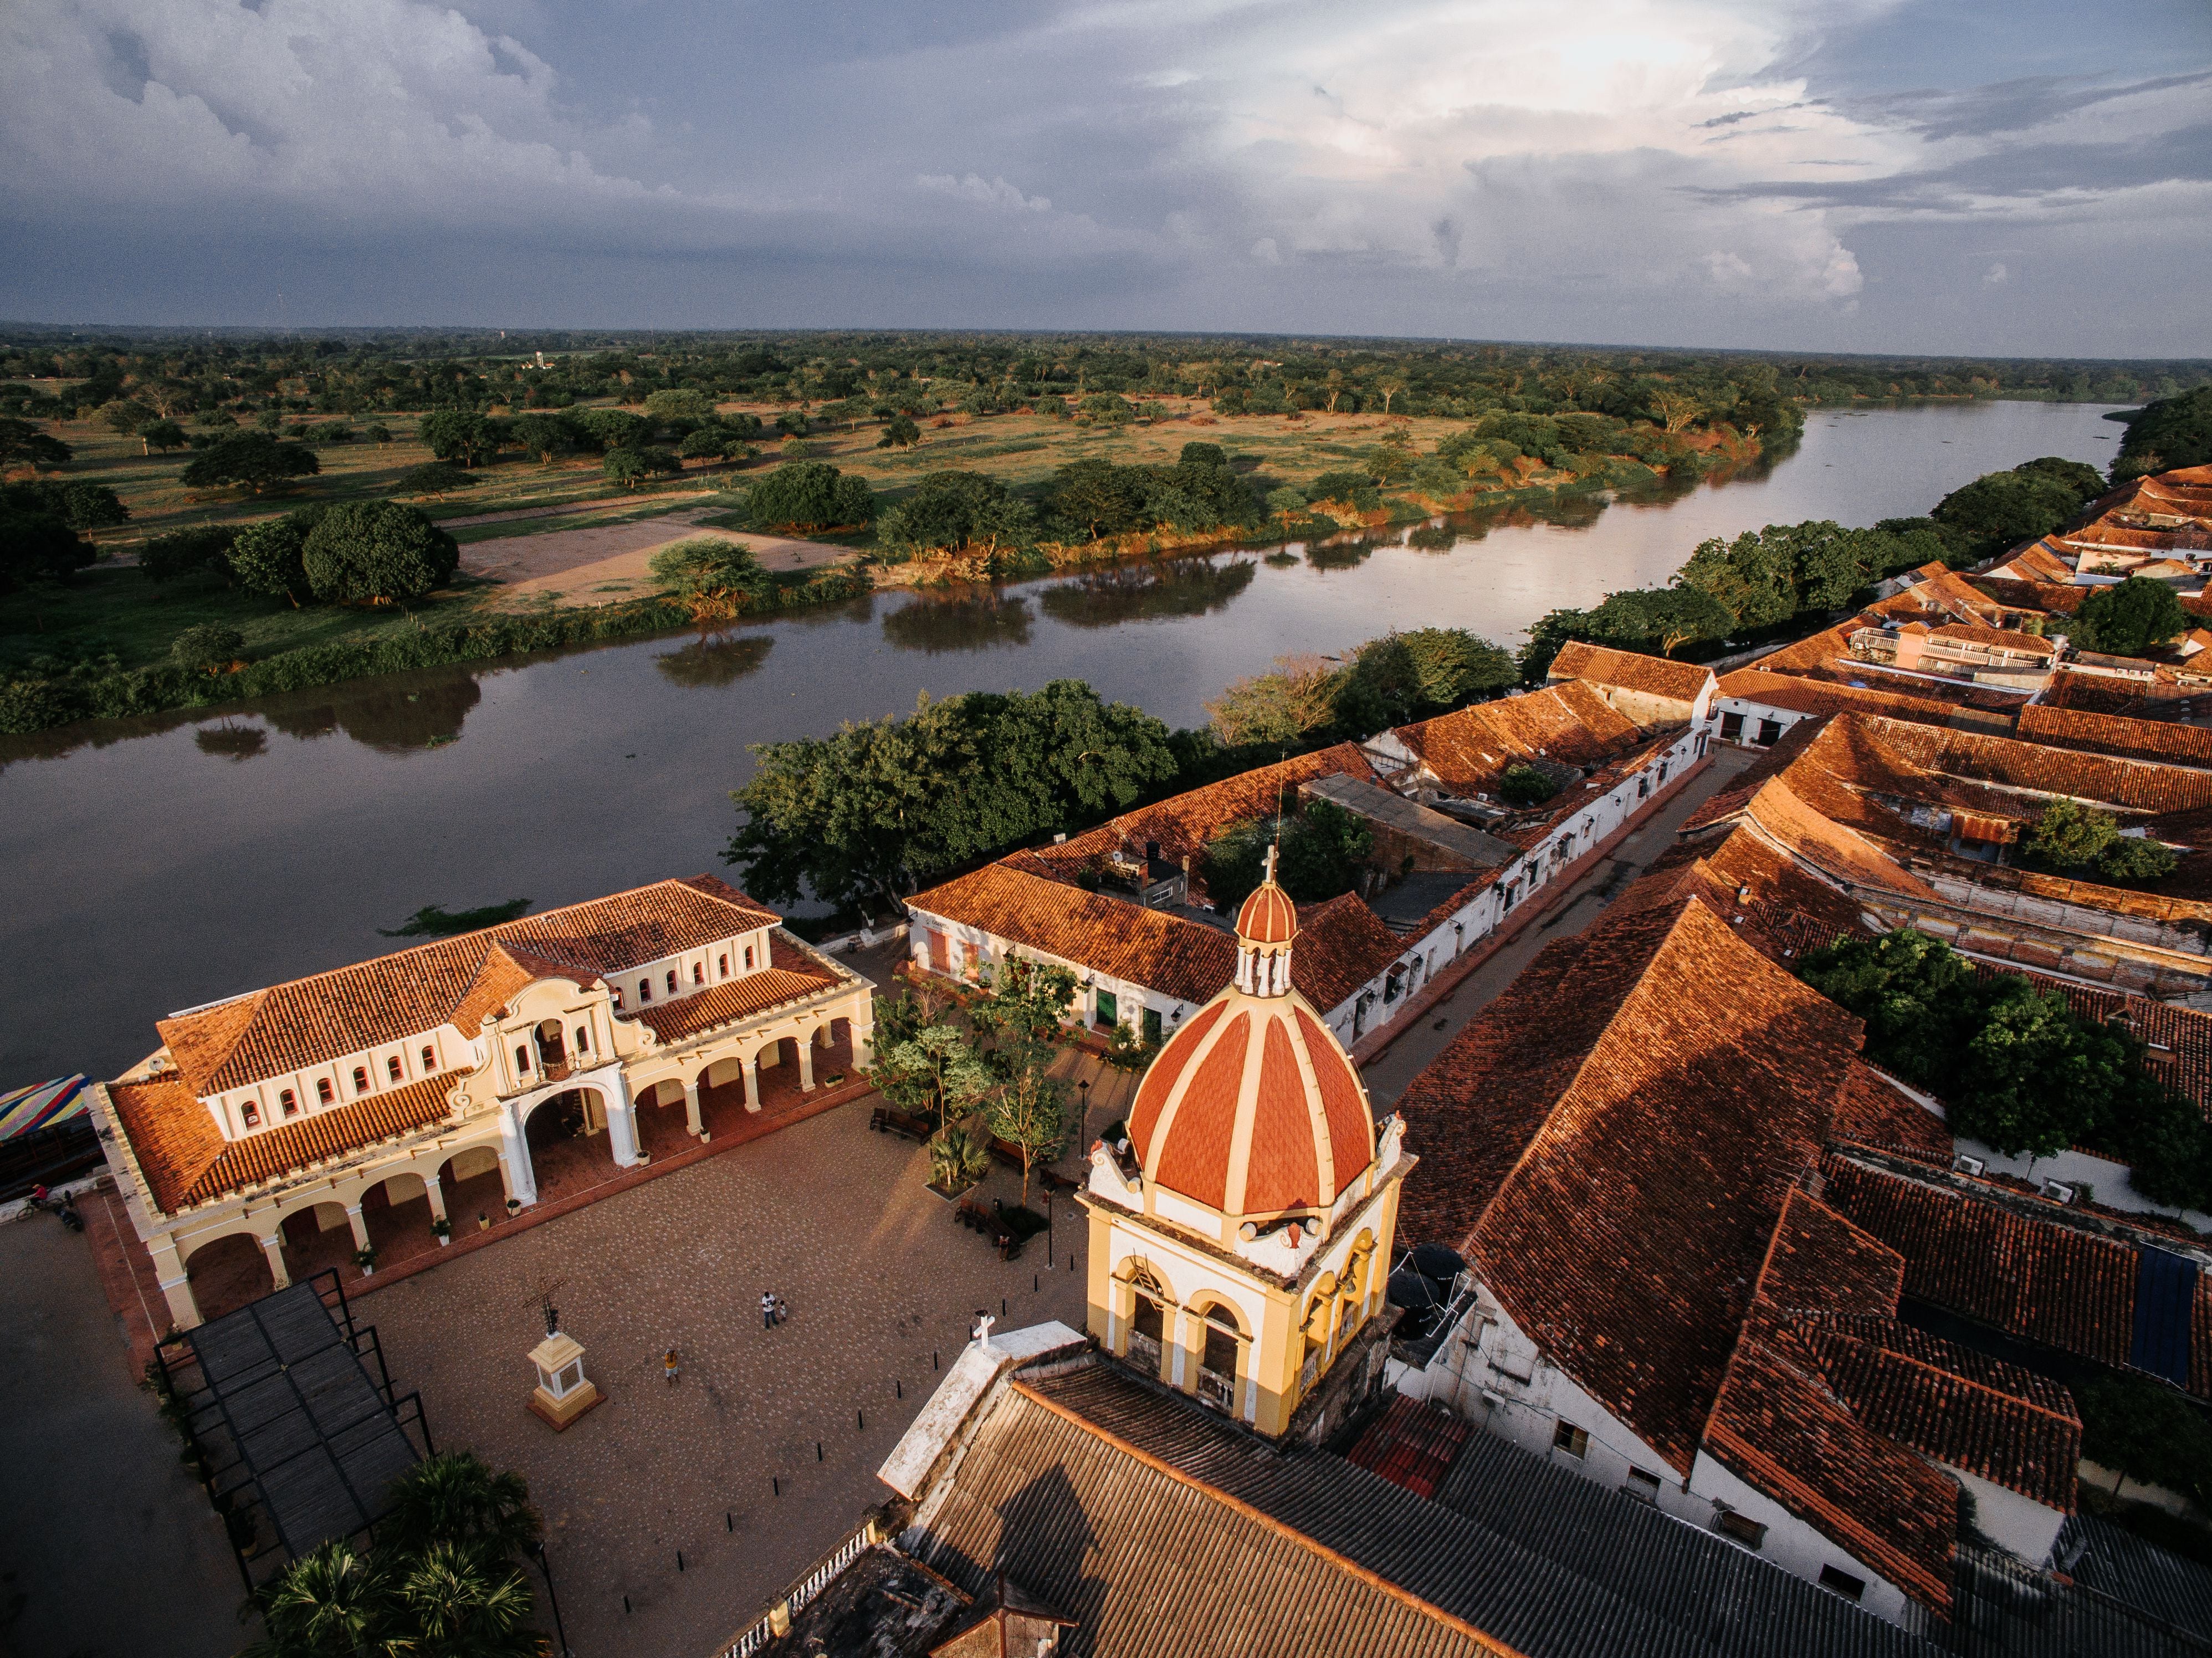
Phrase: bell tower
(1241, 1224)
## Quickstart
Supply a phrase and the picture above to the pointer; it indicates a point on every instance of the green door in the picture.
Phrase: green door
(1152, 1026)
(1109, 1010)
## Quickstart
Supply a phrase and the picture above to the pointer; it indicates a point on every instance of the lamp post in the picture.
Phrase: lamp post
(538, 1550)
(1083, 1091)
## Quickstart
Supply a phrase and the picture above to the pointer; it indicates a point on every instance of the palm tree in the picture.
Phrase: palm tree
(464, 1605)
(455, 1498)
(336, 1603)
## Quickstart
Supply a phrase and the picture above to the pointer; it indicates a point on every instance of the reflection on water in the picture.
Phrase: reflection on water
(1348, 555)
(716, 660)
(986, 621)
(231, 742)
(397, 713)
(1148, 592)
(1433, 538)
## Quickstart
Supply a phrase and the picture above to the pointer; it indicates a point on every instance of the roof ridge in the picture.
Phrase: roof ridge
(1914, 1359)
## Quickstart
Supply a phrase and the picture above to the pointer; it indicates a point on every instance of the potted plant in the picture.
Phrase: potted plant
(442, 1230)
(957, 1159)
(365, 1258)
(483, 1222)
(514, 1207)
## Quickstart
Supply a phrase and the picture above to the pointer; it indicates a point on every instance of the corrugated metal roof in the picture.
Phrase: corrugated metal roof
(2139, 1573)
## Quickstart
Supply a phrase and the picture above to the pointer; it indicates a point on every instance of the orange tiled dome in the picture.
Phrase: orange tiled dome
(1253, 1107)
(1268, 917)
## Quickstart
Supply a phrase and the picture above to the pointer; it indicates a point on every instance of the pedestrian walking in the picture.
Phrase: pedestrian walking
(782, 1311)
(669, 1367)
(768, 1310)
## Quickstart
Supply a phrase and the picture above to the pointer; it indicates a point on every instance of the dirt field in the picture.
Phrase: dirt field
(607, 563)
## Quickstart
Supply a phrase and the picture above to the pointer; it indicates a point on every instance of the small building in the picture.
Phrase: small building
(1959, 650)
(1651, 691)
(275, 1115)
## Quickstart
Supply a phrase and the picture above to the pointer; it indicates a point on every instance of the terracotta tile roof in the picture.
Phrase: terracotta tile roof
(2104, 734)
(1569, 723)
(1780, 1424)
(186, 1161)
(2014, 764)
(1612, 1142)
(2030, 1278)
(1812, 832)
(1800, 695)
(1875, 1112)
(790, 973)
(1940, 592)
(1730, 801)
(2095, 693)
(1341, 944)
(2001, 638)
(1653, 675)
(2049, 597)
(1414, 1444)
(2039, 562)
(2008, 1425)
(1185, 824)
(290, 1026)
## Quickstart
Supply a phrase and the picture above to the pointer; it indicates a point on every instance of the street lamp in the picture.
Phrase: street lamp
(537, 1549)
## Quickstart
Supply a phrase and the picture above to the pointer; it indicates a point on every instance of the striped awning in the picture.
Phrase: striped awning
(42, 1106)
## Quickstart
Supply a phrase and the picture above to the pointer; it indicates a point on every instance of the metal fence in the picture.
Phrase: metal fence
(817, 1577)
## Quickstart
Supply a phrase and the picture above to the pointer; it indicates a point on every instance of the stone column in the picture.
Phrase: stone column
(752, 1080)
(273, 1246)
(516, 1173)
(692, 1120)
(436, 1194)
(360, 1226)
(806, 1063)
(176, 1287)
(863, 1022)
(622, 1121)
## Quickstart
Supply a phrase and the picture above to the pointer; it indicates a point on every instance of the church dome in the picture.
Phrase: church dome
(1254, 1108)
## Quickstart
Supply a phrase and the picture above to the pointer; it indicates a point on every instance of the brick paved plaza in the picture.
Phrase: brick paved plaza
(877, 1276)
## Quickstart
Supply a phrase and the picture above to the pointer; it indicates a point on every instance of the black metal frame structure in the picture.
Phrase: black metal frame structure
(292, 1436)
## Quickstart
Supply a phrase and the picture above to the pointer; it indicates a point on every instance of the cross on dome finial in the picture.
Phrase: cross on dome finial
(1269, 878)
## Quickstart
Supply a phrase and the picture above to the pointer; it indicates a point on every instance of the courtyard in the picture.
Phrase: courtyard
(723, 1466)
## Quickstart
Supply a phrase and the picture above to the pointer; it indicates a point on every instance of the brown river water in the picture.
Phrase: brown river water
(146, 867)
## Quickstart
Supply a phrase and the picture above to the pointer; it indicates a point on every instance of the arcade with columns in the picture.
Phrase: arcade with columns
(1242, 1225)
(563, 1042)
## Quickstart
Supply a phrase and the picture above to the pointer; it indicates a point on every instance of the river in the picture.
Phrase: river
(146, 868)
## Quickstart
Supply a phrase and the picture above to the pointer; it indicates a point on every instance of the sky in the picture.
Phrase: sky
(2007, 177)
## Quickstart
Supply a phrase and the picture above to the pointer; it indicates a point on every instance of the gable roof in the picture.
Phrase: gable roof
(2125, 738)
(1612, 1142)
(1800, 695)
(1568, 723)
(1653, 675)
(324, 1015)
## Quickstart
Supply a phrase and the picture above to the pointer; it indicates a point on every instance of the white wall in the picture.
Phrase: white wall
(1795, 1546)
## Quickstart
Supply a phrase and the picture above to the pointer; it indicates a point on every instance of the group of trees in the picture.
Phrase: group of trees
(2128, 617)
(2016, 1067)
(42, 521)
(1390, 681)
(368, 552)
(2171, 432)
(444, 1578)
(993, 1057)
(805, 495)
(871, 813)
(1323, 850)
(2072, 839)
(1999, 510)
(715, 578)
(630, 445)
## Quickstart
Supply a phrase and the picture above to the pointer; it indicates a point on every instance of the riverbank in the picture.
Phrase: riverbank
(58, 694)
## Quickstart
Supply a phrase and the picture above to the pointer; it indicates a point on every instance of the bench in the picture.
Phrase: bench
(974, 1216)
(890, 1119)
(1008, 1153)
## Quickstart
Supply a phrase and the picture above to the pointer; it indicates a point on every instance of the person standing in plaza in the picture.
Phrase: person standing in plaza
(768, 1310)
(669, 1366)
(781, 1311)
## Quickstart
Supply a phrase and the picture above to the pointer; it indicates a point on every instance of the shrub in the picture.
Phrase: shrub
(810, 495)
(255, 460)
(717, 578)
(187, 552)
(957, 1158)
(265, 557)
(206, 648)
(377, 552)
(435, 478)
(36, 545)
(632, 467)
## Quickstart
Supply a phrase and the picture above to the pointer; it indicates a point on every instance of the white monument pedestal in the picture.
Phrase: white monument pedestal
(564, 1392)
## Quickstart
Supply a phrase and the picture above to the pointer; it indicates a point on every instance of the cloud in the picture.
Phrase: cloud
(1996, 274)
(997, 193)
(1266, 251)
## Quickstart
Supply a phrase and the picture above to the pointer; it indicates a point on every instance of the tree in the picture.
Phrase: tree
(2129, 617)
(899, 432)
(459, 435)
(1323, 852)
(1025, 1013)
(709, 443)
(1356, 490)
(1279, 707)
(633, 467)
(885, 804)
(546, 435)
(936, 1069)
(1097, 496)
(613, 428)
(376, 432)
(268, 557)
(1999, 510)
(2146, 1431)
(678, 403)
(163, 434)
(1663, 619)
(22, 443)
(1404, 677)
(1286, 504)
(810, 495)
(254, 459)
(2072, 839)
(207, 647)
(377, 552)
(950, 511)
(437, 477)
(80, 506)
(124, 415)
(188, 552)
(37, 545)
(1522, 785)
(2168, 433)
(715, 577)
(457, 1498)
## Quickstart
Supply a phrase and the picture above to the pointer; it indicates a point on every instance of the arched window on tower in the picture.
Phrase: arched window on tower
(1217, 1364)
(1147, 1317)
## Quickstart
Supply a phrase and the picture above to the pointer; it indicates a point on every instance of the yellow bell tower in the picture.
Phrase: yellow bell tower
(1240, 1230)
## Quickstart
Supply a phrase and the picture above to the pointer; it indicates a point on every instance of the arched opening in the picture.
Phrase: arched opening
(318, 1236)
(227, 1273)
(553, 1120)
(1148, 1323)
(1220, 1359)
(475, 1195)
(552, 1049)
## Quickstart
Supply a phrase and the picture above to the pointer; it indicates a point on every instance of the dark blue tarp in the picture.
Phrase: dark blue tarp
(2166, 1290)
